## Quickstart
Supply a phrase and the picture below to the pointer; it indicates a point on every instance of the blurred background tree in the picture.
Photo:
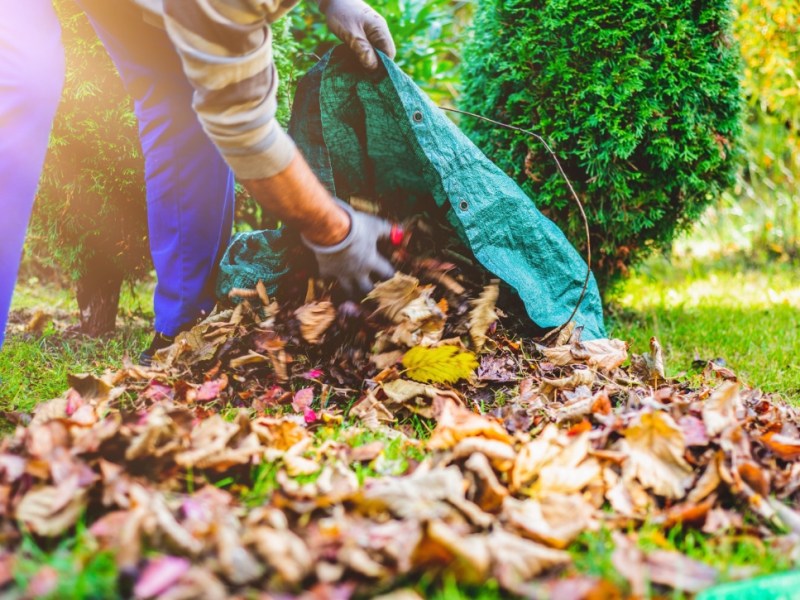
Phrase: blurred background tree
(640, 100)
(760, 217)
(89, 222)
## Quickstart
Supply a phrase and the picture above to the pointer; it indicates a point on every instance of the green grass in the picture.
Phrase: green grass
(75, 568)
(747, 315)
(35, 368)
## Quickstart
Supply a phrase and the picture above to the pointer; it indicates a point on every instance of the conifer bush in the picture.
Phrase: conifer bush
(640, 99)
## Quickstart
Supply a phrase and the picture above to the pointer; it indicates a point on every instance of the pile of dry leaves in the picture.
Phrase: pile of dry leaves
(238, 463)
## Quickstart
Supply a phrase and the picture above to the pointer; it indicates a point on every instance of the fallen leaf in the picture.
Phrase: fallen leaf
(655, 446)
(49, 511)
(394, 294)
(302, 399)
(445, 364)
(783, 446)
(602, 354)
(315, 319)
(455, 423)
(516, 560)
(159, 575)
(555, 520)
(679, 572)
(483, 315)
(719, 411)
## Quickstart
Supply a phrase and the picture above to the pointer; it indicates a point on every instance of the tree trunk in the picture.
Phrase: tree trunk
(98, 297)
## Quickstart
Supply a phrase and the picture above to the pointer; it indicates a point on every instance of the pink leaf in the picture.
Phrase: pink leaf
(210, 390)
(302, 399)
(159, 575)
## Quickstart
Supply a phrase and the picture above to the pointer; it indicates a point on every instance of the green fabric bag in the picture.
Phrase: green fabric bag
(378, 136)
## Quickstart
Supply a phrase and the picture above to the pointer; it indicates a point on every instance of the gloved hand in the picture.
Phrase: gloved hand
(361, 28)
(353, 260)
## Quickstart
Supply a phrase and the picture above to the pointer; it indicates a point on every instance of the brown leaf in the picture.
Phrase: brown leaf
(489, 493)
(420, 496)
(394, 294)
(197, 584)
(601, 354)
(719, 411)
(555, 520)
(483, 315)
(679, 572)
(471, 553)
(655, 446)
(315, 319)
(554, 463)
(284, 551)
(49, 511)
(649, 367)
(516, 561)
(783, 446)
(455, 423)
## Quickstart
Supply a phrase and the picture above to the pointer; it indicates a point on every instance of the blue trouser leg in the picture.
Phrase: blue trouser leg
(190, 189)
(31, 76)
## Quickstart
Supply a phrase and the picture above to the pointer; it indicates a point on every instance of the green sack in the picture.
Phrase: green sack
(378, 136)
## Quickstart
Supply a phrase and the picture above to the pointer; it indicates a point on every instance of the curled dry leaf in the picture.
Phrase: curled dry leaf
(49, 511)
(649, 367)
(602, 354)
(783, 446)
(719, 411)
(315, 319)
(555, 520)
(655, 445)
(516, 560)
(455, 423)
(394, 294)
(483, 315)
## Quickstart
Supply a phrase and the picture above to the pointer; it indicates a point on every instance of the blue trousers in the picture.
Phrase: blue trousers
(190, 189)
(31, 75)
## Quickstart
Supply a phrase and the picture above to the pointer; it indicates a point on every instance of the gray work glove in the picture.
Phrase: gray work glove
(361, 28)
(355, 259)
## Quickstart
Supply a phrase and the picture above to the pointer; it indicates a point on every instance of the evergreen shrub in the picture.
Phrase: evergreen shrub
(640, 99)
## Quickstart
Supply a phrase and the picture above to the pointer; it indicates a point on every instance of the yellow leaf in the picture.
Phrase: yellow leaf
(445, 364)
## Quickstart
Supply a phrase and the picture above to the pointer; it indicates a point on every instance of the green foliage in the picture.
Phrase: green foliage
(640, 100)
(427, 34)
(768, 211)
(76, 568)
(91, 198)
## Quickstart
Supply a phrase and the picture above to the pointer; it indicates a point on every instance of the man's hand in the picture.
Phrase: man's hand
(361, 28)
(356, 258)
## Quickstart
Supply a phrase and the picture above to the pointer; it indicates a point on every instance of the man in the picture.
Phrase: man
(224, 62)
